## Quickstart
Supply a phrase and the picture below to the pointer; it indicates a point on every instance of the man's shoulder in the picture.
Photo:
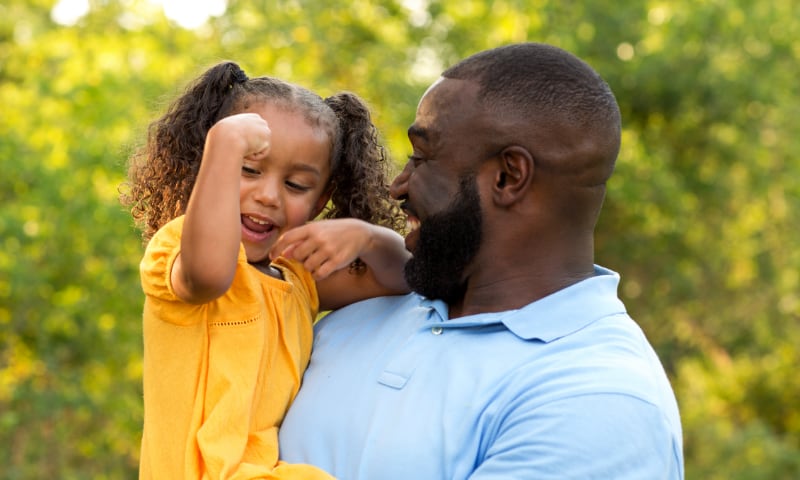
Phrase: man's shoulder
(375, 309)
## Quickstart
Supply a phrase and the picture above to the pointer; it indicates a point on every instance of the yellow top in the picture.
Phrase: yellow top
(219, 377)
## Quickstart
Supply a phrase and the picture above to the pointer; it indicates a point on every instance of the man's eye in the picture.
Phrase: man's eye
(249, 171)
(416, 159)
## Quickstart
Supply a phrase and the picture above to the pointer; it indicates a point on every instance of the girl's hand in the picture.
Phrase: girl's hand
(325, 246)
(251, 130)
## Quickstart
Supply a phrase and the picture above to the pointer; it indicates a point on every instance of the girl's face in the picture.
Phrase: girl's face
(287, 188)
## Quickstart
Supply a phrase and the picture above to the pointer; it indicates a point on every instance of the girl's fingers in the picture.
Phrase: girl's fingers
(287, 242)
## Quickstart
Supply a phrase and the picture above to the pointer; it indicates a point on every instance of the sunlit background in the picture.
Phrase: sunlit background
(189, 14)
(701, 217)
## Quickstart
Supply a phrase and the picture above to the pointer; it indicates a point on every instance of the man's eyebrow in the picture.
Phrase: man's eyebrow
(415, 131)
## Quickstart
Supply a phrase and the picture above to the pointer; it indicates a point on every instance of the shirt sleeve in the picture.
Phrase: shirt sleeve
(301, 279)
(155, 272)
(159, 257)
(591, 436)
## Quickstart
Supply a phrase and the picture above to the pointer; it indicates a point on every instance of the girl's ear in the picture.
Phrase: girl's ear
(514, 175)
(321, 202)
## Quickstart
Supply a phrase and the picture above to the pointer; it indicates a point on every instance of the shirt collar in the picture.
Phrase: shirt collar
(554, 316)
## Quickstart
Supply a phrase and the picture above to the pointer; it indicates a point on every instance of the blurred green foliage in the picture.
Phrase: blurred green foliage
(701, 218)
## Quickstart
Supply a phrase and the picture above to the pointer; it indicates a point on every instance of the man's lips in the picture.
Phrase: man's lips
(412, 224)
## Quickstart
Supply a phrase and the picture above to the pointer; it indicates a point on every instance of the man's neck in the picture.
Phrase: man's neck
(513, 289)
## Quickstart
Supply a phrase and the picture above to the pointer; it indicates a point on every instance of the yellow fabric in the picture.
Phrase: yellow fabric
(219, 377)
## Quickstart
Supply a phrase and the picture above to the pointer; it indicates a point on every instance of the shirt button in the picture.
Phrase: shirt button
(436, 330)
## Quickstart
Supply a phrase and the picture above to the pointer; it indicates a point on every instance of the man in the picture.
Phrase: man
(514, 358)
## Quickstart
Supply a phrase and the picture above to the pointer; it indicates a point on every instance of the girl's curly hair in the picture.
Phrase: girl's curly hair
(360, 188)
(162, 173)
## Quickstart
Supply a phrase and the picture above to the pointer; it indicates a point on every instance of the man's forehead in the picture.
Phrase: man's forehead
(447, 102)
(421, 129)
(433, 85)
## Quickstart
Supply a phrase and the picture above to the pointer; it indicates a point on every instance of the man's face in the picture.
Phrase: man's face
(439, 189)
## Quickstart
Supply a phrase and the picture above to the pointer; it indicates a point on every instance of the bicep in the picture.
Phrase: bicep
(178, 280)
(202, 286)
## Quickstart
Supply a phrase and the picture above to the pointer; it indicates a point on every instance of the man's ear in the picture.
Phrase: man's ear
(321, 202)
(513, 176)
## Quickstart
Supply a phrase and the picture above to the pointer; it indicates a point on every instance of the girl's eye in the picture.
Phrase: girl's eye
(249, 171)
(297, 186)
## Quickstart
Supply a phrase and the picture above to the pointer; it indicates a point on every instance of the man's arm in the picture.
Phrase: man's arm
(587, 436)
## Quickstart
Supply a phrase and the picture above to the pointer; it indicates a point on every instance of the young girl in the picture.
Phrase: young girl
(233, 165)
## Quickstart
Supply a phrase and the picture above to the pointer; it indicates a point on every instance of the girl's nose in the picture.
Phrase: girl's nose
(399, 188)
(267, 193)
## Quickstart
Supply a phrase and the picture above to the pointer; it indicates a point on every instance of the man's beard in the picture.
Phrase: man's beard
(448, 242)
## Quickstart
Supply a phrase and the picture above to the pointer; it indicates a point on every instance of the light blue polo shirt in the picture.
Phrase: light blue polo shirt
(567, 387)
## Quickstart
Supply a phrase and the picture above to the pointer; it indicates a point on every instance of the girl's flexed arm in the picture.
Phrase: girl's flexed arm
(211, 235)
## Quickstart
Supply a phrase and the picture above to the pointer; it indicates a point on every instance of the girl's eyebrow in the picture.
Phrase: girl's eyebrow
(306, 167)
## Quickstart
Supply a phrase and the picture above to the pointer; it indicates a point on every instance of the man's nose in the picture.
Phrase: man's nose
(399, 188)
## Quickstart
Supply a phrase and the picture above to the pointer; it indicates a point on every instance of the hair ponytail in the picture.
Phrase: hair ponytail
(360, 170)
(181, 132)
(162, 174)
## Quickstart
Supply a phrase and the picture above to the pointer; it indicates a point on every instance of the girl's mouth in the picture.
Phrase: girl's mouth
(256, 229)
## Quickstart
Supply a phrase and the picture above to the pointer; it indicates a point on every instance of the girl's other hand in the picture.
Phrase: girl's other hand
(324, 246)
